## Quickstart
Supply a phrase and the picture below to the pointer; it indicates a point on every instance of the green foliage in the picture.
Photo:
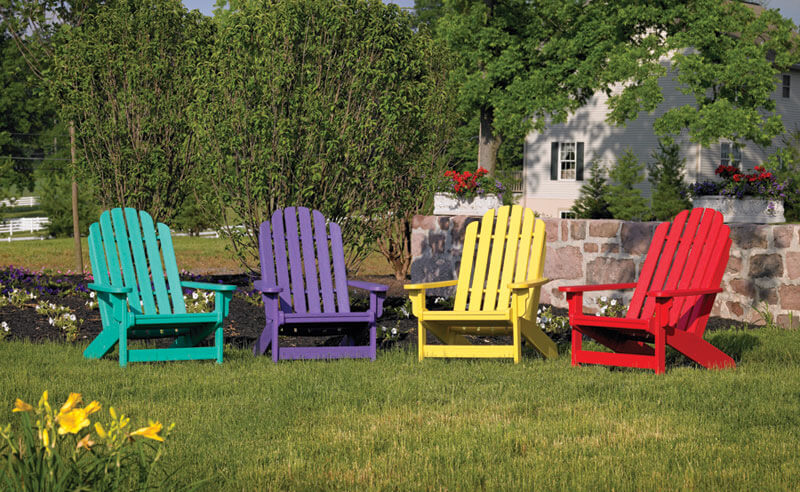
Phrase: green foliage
(24, 114)
(670, 194)
(593, 200)
(56, 201)
(334, 105)
(729, 58)
(785, 163)
(126, 76)
(624, 201)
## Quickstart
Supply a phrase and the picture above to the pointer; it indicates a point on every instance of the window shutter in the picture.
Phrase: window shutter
(579, 163)
(554, 161)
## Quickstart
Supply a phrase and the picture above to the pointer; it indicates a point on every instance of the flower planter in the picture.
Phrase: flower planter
(447, 204)
(744, 210)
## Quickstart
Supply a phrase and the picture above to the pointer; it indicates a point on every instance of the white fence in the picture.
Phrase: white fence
(25, 201)
(25, 224)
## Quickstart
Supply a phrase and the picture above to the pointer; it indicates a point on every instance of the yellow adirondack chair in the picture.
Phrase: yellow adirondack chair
(497, 290)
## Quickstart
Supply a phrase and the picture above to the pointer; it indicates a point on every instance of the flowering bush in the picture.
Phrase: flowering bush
(469, 185)
(735, 184)
(551, 323)
(611, 308)
(49, 455)
(62, 318)
(5, 329)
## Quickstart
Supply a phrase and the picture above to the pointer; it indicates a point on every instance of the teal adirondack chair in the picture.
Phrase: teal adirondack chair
(141, 295)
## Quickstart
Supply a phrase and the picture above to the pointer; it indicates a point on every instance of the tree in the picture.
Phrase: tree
(593, 200)
(625, 201)
(785, 163)
(335, 105)
(126, 78)
(666, 176)
(525, 64)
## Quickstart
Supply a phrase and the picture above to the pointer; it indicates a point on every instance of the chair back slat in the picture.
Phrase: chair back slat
(156, 265)
(309, 252)
(339, 269)
(98, 258)
(665, 262)
(171, 269)
(496, 256)
(295, 260)
(465, 270)
(281, 259)
(140, 261)
(324, 262)
(497, 251)
(688, 258)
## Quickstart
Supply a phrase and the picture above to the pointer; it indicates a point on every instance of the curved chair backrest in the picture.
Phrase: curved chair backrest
(302, 253)
(498, 251)
(128, 250)
(691, 252)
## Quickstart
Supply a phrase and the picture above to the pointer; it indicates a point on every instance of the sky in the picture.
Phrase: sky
(789, 8)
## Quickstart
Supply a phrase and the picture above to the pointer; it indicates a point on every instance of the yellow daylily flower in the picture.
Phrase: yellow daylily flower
(72, 422)
(21, 406)
(92, 407)
(150, 432)
(112, 412)
(74, 399)
(100, 431)
(45, 438)
(86, 442)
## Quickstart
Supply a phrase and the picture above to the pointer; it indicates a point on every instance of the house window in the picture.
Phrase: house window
(730, 154)
(566, 161)
(567, 214)
(787, 80)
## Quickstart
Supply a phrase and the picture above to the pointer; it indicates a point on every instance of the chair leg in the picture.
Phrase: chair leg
(659, 361)
(421, 334)
(275, 342)
(123, 344)
(218, 343)
(517, 337)
(577, 342)
(263, 341)
(373, 344)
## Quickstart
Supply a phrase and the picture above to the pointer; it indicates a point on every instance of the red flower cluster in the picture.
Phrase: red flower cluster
(732, 172)
(465, 182)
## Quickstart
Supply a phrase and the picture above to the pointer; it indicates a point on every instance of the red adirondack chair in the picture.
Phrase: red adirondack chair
(671, 302)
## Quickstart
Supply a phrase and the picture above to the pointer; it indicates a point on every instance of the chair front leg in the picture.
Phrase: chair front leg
(575, 302)
(659, 325)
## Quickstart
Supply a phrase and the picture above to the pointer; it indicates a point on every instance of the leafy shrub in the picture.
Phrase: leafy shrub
(625, 201)
(666, 176)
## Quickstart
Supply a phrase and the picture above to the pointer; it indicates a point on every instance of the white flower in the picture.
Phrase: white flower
(539, 311)
(91, 295)
(72, 317)
(394, 331)
(5, 326)
(603, 309)
(604, 298)
(438, 300)
(383, 328)
(51, 320)
(538, 319)
(404, 311)
(194, 295)
(613, 302)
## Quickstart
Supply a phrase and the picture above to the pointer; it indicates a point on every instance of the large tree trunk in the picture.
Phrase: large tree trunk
(488, 142)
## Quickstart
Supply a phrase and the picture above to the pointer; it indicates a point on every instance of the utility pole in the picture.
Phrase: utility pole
(76, 231)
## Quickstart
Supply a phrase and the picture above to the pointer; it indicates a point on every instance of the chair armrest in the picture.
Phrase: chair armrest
(208, 286)
(529, 284)
(683, 292)
(589, 288)
(266, 288)
(370, 286)
(110, 289)
(431, 285)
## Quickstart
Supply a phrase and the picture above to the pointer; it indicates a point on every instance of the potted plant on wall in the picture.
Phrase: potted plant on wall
(755, 198)
(468, 193)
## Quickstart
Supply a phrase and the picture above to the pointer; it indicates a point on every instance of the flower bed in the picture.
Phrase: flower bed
(755, 198)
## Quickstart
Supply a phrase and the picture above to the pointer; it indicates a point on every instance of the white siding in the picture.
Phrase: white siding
(607, 143)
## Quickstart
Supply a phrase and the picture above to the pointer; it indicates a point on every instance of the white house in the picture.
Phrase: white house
(558, 160)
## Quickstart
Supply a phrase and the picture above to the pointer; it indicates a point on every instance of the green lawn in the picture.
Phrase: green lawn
(397, 424)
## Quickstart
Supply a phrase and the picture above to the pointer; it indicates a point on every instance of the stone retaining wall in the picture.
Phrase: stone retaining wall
(763, 270)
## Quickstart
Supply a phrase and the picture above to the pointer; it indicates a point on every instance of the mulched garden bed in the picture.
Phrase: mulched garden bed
(242, 326)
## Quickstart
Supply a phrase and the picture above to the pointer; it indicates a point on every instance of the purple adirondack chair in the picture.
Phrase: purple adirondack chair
(304, 287)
